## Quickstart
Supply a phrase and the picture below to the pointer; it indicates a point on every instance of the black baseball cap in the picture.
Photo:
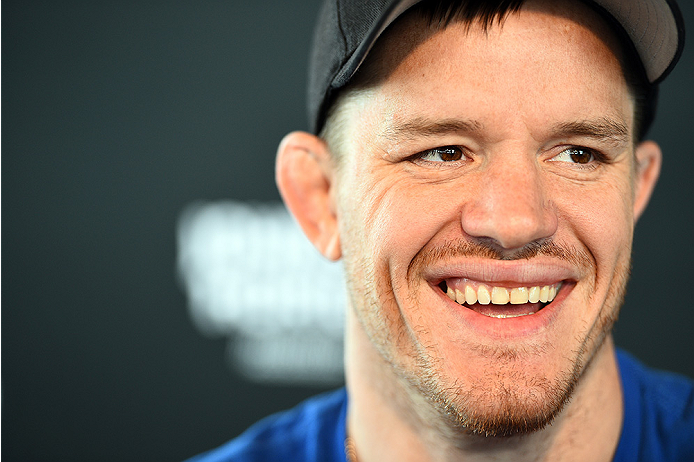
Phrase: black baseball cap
(347, 29)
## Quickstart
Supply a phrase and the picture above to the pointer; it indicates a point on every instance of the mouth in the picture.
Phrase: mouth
(498, 301)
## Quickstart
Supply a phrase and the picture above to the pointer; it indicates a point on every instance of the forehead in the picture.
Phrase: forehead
(569, 18)
(550, 61)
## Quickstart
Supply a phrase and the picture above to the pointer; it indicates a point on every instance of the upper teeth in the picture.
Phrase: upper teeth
(502, 295)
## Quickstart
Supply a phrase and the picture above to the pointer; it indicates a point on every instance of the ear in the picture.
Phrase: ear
(648, 161)
(304, 173)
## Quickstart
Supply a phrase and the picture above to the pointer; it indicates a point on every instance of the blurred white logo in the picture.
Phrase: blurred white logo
(250, 274)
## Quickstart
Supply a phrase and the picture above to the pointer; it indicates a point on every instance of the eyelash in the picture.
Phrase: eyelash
(597, 158)
(455, 150)
(440, 151)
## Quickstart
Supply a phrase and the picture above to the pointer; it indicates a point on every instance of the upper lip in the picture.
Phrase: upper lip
(536, 271)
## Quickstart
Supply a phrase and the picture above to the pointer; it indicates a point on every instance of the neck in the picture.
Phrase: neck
(388, 421)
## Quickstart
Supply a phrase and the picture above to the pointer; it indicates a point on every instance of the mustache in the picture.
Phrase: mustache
(489, 249)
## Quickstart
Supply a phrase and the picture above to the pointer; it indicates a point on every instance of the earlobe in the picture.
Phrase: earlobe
(648, 161)
(304, 174)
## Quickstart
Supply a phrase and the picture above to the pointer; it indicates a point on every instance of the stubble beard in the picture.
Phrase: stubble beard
(507, 400)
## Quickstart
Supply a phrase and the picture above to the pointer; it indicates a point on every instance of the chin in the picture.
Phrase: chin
(500, 404)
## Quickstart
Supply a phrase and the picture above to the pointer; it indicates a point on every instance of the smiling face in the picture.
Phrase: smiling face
(485, 194)
(486, 176)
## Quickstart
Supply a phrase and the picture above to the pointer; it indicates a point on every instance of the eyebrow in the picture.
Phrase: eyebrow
(422, 127)
(602, 129)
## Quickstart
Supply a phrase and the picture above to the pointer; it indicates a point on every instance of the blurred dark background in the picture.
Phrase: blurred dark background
(115, 116)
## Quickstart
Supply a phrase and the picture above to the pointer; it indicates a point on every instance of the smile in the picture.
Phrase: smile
(507, 302)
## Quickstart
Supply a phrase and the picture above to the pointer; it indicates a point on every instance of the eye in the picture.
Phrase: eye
(442, 154)
(575, 155)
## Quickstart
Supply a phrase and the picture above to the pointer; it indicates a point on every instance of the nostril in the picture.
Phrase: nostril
(510, 227)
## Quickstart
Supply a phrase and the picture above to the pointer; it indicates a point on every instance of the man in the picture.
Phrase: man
(479, 167)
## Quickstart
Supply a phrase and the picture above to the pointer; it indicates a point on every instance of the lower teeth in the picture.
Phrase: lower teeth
(505, 316)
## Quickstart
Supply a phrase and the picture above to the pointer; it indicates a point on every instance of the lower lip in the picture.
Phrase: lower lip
(505, 328)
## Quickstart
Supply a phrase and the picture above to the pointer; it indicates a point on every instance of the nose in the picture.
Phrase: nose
(510, 206)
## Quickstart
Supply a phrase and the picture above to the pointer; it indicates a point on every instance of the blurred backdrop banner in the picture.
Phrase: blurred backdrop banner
(251, 275)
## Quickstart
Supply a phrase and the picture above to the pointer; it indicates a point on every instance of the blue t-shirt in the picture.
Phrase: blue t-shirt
(658, 424)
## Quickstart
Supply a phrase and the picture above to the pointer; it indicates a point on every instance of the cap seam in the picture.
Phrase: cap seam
(319, 117)
(344, 45)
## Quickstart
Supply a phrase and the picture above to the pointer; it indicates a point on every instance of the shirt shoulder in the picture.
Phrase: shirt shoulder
(314, 431)
(658, 414)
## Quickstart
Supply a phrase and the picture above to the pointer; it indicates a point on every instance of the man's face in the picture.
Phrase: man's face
(497, 165)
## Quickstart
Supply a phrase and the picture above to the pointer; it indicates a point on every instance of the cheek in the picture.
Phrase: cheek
(401, 220)
(600, 216)
(390, 221)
